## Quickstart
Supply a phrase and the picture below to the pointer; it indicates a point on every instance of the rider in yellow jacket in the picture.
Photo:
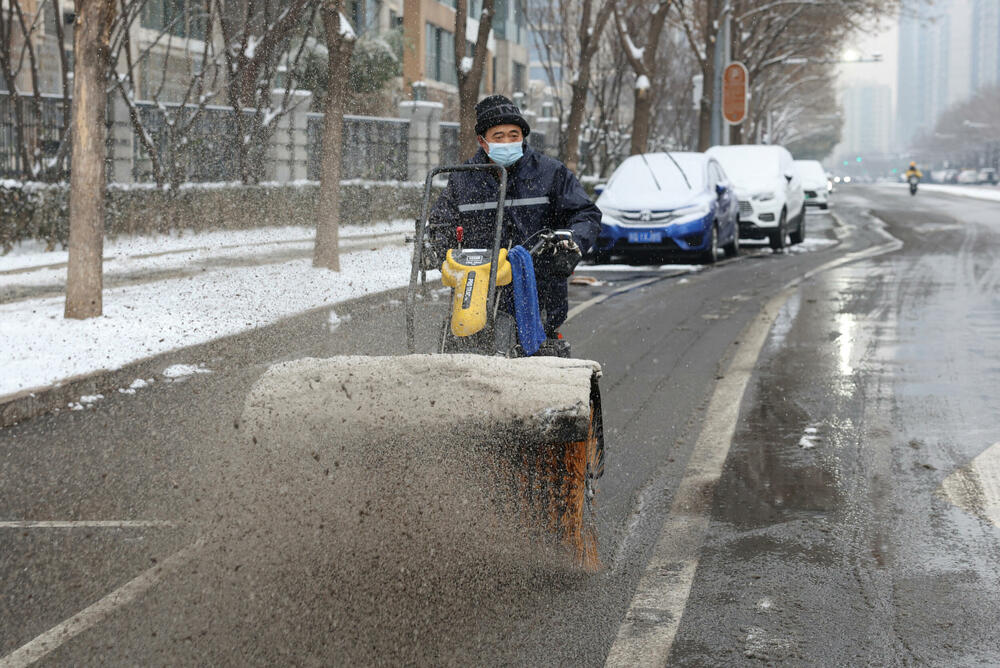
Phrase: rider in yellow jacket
(913, 171)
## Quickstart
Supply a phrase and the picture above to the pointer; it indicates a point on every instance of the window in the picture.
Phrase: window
(363, 15)
(181, 18)
(520, 73)
(440, 63)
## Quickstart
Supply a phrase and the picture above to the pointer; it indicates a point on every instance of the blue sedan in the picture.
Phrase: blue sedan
(668, 204)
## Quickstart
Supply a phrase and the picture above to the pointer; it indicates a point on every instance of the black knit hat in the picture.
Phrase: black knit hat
(498, 110)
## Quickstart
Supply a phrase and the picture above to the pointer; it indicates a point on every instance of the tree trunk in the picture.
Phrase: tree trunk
(469, 79)
(340, 47)
(641, 120)
(574, 122)
(87, 178)
(468, 95)
(705, 109)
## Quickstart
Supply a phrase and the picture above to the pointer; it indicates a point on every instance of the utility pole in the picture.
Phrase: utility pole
(721, 55)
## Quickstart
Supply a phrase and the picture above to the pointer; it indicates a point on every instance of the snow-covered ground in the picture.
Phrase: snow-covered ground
(38, 347)
(977, 192)
(163, 247)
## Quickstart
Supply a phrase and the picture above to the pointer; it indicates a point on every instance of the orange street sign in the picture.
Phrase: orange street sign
(735, 84)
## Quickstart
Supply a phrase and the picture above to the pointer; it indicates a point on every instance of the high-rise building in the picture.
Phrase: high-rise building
(867, 110)
(947, 51)
(985, 43)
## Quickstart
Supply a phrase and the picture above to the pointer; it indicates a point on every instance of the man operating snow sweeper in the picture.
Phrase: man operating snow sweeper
(499, 412)
(542, 193)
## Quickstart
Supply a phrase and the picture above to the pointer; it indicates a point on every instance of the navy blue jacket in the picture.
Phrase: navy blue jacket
(541, 192)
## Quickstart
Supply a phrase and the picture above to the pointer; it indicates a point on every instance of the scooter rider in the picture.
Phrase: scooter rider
(541, 193)
(913, 171)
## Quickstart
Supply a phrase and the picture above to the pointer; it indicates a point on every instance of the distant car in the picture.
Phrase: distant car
(987, 175)
(814, 183)
(967, 176)
(771, 199)
(668, 204)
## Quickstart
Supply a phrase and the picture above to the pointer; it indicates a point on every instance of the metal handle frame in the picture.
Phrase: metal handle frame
(418, 243)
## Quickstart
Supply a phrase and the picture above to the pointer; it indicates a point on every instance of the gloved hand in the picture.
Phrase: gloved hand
(567, 256)
(430, 258)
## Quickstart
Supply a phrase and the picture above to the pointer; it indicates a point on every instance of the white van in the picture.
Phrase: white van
(772, 201)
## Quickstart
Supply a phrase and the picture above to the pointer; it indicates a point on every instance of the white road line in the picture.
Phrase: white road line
(653, 617)
(975, 488)
(647, 634)
(84, 524)
(58, 635)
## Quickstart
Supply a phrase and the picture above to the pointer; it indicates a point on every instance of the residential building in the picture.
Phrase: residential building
(429, 49)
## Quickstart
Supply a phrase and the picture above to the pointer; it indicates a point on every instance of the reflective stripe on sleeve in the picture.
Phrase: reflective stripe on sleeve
(485, 206)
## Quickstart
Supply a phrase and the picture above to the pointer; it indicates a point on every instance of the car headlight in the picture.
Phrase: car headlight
(763, 197)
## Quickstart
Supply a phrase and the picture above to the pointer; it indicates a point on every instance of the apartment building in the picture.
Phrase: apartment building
(429, 49)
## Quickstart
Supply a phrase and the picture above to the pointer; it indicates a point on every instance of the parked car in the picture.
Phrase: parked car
(948, 176)
(815, 185)
(987, 175)
(968, 176)
(668, 204)
(770, 194)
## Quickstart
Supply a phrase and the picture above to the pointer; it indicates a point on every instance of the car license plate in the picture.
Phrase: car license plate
(645, 237)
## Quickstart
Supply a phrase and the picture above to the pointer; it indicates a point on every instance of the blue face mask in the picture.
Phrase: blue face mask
(506, 155)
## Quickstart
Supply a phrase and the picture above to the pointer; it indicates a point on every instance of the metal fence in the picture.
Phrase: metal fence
(372, 148)
(42, 131)
(207, 152)
(448, 152)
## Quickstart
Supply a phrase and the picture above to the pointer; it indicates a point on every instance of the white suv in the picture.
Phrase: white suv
(772, 201)
(814, 183)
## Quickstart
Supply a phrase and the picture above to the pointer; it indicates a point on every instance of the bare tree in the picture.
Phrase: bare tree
(470, 70)
(171, 144)
(258, 38)
(589, 40)
(94, 20)
(20, 35)
(645, 63)
(340, 40)
(569, 33)
(768, 34)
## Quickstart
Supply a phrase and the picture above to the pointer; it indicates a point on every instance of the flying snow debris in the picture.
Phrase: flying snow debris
(809, 439)
(335, 321)
(466, 64)
(181, 370)
(642, 83)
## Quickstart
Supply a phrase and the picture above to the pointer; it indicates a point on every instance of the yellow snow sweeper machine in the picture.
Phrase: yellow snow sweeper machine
(531, 426)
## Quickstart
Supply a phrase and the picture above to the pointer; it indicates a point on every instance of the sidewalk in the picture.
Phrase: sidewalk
(166, 293)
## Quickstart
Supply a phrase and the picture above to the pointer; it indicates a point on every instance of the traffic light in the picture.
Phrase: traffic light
(859, 158)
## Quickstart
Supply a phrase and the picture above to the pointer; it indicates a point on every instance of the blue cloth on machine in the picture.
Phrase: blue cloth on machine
(530, 331)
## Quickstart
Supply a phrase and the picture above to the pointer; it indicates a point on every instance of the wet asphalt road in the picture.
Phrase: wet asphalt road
(829, 542)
